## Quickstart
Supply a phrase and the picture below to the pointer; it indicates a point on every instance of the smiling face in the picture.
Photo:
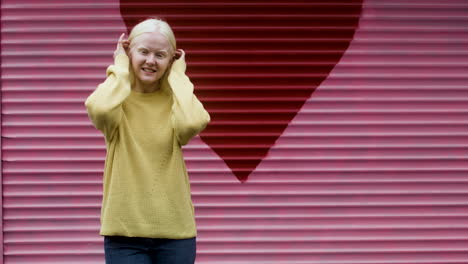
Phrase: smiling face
(150, 56)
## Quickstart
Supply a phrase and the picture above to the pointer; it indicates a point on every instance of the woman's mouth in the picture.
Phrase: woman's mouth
(148, 70)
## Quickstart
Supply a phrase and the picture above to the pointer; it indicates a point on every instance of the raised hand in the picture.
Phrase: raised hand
(122, 46)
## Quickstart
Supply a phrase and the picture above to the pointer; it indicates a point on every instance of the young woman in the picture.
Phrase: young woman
(146, 110)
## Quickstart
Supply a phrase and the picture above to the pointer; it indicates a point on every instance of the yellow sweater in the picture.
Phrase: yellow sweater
(146, 190)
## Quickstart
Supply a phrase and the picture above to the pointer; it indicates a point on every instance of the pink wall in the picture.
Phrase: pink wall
(371, 169)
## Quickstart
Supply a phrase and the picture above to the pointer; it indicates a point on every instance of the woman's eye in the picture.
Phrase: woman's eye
(144, 52)
(160, 55)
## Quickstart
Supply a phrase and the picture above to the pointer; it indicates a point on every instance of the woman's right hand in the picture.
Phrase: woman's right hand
(122, 46)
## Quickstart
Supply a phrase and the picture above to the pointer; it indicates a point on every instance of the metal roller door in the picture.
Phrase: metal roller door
(339, 130)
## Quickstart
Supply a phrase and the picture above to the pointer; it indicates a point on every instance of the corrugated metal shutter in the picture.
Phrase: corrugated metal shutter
(372, 169)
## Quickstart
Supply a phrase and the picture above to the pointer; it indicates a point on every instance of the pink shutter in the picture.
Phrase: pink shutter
(372, 169)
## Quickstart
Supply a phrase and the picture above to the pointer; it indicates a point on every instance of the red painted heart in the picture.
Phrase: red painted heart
(254, 64)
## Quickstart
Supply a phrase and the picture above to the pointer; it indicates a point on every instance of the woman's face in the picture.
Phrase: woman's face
(150, 56)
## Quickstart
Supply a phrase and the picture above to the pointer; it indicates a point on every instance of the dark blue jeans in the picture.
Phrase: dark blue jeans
(136, 250)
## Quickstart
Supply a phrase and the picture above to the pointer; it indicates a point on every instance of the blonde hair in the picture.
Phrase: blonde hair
(153, 25)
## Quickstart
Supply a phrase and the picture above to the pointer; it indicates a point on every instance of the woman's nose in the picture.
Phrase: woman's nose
(150, 59)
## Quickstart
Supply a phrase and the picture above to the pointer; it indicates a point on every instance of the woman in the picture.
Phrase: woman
(146, 110)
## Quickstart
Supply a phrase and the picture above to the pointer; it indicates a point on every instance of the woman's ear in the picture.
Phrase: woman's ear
(171, 62)
(126, 46)
(178, 54)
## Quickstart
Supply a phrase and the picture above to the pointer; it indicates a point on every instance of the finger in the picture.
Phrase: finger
(120, 40)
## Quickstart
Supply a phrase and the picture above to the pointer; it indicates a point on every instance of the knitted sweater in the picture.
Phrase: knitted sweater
(146, 190)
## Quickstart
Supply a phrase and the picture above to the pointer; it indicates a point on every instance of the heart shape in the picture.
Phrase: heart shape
(254, 65)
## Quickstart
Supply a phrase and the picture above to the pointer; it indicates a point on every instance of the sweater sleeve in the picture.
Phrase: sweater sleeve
(189, 117)
(104, 105)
